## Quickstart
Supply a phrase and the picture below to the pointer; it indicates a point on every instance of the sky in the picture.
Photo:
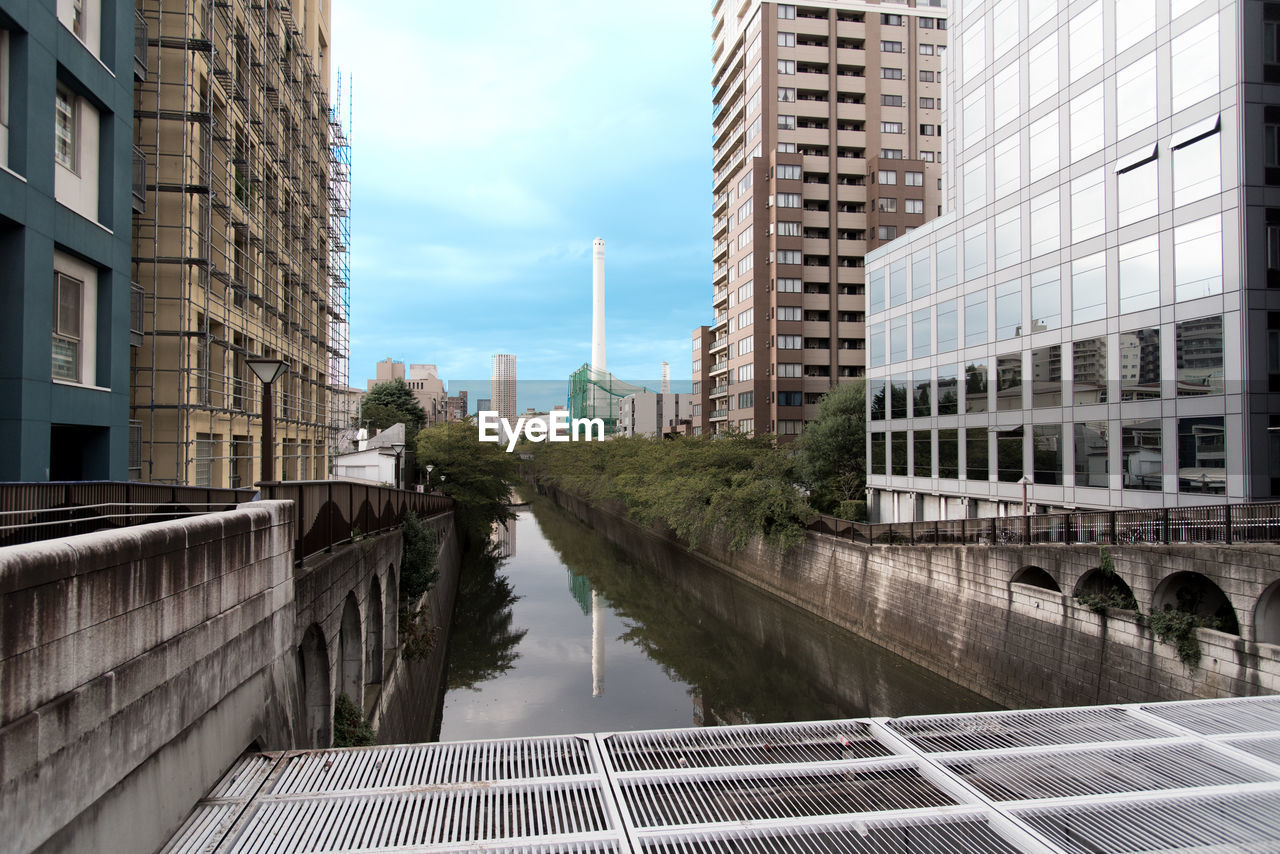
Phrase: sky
(490, 145)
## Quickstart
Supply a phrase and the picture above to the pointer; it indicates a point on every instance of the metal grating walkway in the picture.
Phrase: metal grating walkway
(1198, 776)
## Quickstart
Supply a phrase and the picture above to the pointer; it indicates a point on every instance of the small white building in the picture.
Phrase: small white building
(648, 414)
(375, 461)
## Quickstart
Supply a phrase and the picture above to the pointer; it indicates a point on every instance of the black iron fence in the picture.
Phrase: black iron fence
(1220, 523)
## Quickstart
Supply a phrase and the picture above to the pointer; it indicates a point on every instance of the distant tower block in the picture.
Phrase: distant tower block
(597, 304)
(666, 378)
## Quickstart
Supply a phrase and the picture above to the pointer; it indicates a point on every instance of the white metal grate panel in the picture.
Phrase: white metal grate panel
(1264, 747)
(1003, 730)
(1102, 770)
(215, 814)
(738, 746)
(1221, 717)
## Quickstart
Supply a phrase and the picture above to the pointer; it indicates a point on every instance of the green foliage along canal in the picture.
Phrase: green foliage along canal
(572, 633)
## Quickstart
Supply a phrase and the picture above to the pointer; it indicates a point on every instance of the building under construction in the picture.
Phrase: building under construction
(242, 193)
(594, 393)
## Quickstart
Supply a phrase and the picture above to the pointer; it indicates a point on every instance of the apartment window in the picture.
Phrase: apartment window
(790, 427)
(1093, 464)
(746, 398)
(786, 148)
(891, 127)
(67, 327)
(786, 66)
(788, 173)
(928, 130)
(1046, 300)
(925, 23)
(788, 200)
(1136, 95)
(789, 256)
(753, 129)
(891, 47)
(65, 129)
(1197, 259)
(891, 154)
(890, 20)
(1089, 370)
(1141, 454)
(746, 372)
(913, 206)
(786, 94)
(887, 176)
(746, 345)
(1046, 377)
(786, 39)
(744, 292)
(745, 318)
(926, 50)
(786, 122)
(1140, 274)
(913, 179)
(1199, 345)
(1194, 62)
(975, 319)
(746, 263)
(926, 77)
(1202, 455)
(926, 103)
(789, 286)
(789, 342)
(788, 312)
(786, 11)
(891, 100)
(948, 326)
(790, 370)
(790, 398)
(890, 73)
(789, 229)
(977, 455)
(887, 232)
(1197, 167)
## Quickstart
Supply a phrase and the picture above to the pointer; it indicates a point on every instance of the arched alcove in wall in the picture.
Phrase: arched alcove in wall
(1196, 594)
(373, 635)
(350, 653)
(313, 686)
(1034, 576)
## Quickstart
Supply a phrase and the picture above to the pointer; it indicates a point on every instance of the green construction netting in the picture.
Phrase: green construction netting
(595, 394)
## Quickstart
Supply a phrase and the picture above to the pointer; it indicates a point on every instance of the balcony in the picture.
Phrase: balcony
(719, 414)
(721, 274)
(139, 180)
(719, 367)
(721, 390)
(136, 314)
(721, 296)
(139, 47)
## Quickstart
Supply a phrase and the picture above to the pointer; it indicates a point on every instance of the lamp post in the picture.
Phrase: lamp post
(398, 447)
(267, 370)
(429, 469)
(1026, 533)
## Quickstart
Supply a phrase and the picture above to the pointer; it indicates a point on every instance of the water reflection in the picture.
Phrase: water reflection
(482, 645)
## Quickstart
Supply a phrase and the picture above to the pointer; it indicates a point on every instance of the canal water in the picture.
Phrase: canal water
(571, 633)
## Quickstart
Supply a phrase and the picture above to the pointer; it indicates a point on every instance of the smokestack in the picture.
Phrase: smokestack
(597, 304)
(666, 378)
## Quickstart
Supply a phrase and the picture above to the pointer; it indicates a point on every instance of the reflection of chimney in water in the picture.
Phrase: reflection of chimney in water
(597, 645)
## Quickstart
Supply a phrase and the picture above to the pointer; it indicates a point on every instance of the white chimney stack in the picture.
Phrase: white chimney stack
(597, 304)
(666, 378)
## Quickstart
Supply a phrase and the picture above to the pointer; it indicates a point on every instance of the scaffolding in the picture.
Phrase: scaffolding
(595, 394)
(233, 255)
(344, 408)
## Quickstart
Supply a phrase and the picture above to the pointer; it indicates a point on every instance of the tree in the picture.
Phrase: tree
(392, 402)
(476, 475)
(832, 451)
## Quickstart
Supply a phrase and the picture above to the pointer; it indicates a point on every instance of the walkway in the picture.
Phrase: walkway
(1199, 775)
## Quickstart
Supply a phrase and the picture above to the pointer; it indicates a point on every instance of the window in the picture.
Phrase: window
(877, 453)
(891, 100)
(1009, 382)
(925, 23)
(786, 93)
(788, 342)
(975, 252)
(913, 206)
(789, 256)
(786, 148)
(1197, 167)
(1043, 146)
(1089, 370)
(1194, 61)
(948, 326)
(891, 154)
(1008, 310)
(1008, 228)
(1088, 206)
(1045, 226)
(786, 11)
(948, 389)
(786, 39)
(1046, 377)
(1135, 20)
(948, 454)
(790, 369)
(745, 373)
(1093, 464)
(1141, 454)
(746, 263)
(1140, 364)
(898, 339)
(1138, 190)
(67, 327)
(1089, 288)
(886, 232)
(1085, 126)
(885, 205)
(898, 459)
(975, 387)
(788, 312)
(891, 127)
(786, 66)
(890, 73)
(977, 455)
(926, 77)
(928, 130)
(913, 179)
(1197, 259)
(746, 345)
(787, 172)
(745, 399)
(1009, 466)
(789, 229)
(790, 398)
(922, 446)
(921, 282)
(789, 286)
(973, 50)
(973, 118)
(746, 317)
(1136, 94)
(890, 20)
(926, 50)
(1140, 274)
(64, 145)
(788, 200)
(1202, 455)
(1199, 345)
(786, 122)
(886, 176)
(974, 183)
(921, 394)
(921, 337)
(891, 47)
(1046, 300)
(1085, 31)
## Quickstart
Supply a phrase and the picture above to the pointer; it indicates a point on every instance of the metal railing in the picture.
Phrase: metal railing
(333, 512)
(1218, 524)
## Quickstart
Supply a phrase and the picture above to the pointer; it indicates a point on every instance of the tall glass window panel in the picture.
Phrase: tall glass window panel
(975, 252)
(1089, 370)
(1042, 143)
(1046, 223)
(1093, 464)
(1089, 288)
(974, 182)
(1046, 300)
(1178, 7)
(899, 459)
(1008, 310)
(1088, 206)
(1136, 96)
(975, 319)
(1004, 25)
(1142, 454)
(1042, 74)
(1202, 455)
(878, 447)
(1140, 274)
(977, 465)
(1005, 94)
(1199, 349)
(1039, 11)
(949, 390)
(948, 326)
(1197, 169)
(1194, 62)
(876, 398)
(1138, 192)
(897, 340)
(922, 453)
(946, 257)
(898, 282)
(1009, 466)
(973, 49)
(1197, 259)
(921, 394)
(1008, 238)
(973, 118)
(1009, 382)
(1046, 454)
(948, 454)
(898, 399)
(1135, 20)
(975, 387)
(921, 276)
(1086, 123)
(1046, 377)
(876, 345)
(875, 290)
(1140, 364)
(1008, 167)
(1085, 33)
(921, 333)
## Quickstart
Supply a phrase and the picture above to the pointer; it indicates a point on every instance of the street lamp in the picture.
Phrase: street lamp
(267, 370)
(398, 447)
(429, 469)
(1026, 533)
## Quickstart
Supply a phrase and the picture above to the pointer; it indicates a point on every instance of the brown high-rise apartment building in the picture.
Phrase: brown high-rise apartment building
(241, 188)
(826, 143)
